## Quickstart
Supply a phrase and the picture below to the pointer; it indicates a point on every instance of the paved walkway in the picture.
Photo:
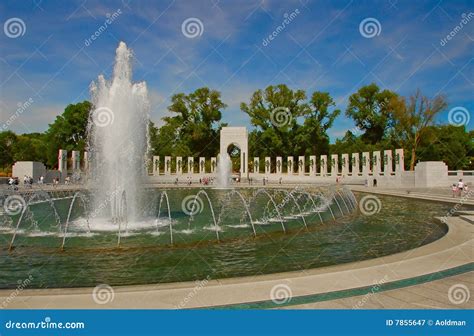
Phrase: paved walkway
(433, 194)
(431, 295)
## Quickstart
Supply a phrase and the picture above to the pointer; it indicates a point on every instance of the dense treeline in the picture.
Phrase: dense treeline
(285, 122)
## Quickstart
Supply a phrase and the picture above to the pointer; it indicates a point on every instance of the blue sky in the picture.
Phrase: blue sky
(321, 49)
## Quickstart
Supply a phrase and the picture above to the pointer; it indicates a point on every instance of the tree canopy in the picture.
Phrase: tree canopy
(285, 122)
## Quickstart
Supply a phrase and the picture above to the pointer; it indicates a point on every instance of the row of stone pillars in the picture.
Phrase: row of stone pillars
(364, 164)
(76, 161)
(180, 165)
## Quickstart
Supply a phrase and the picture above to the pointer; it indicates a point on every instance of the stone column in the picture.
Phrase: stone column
(86, 161)
(256, 165)
(312, 165)
(387, 163)
(156, 165)
(355, 168)
(76, 160)
(202, 165)
(323, 165)
(190, 165)
(399, 161)
(62, 162)
(301, 168)
(213, 164)
(345, 164)
(334, 165)
(179, 165)
(376, 163)
(268, 165)
(167, 165)
(290, 165)
(279, 165)
(366, 163)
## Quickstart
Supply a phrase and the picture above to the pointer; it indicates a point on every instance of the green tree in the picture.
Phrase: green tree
(371, 111)
(8, 140)
(274, 113)
(68, 131)
(194, 130)
(312, 137)
(412, 117)
(448, 143)
(30, 147)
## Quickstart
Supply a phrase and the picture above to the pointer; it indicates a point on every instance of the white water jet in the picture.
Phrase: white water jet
(224, 171)
(118, 139)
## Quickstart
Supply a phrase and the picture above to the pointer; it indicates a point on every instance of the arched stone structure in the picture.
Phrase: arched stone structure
(237, 136)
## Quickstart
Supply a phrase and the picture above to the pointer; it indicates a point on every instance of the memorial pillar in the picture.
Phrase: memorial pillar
(324, 165)
(312, 165)
(268, 165)
(366, 164)
(179, 165)
(345, 164)
(355, 165)
(399, 161)
(376, 163)
(387, 163)
(334, 165)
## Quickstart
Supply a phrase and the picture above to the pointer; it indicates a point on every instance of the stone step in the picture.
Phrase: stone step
(465, 212)
(469, 219)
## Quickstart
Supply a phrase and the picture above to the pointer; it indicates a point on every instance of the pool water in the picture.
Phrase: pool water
(147, 256)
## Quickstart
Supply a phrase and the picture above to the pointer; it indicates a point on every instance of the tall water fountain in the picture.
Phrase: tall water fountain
(118, 140)
(224, 171)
